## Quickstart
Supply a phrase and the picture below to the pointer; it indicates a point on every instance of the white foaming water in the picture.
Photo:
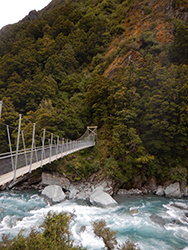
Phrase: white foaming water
(23, 210)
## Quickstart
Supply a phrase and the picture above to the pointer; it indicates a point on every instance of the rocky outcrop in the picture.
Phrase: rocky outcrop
(54, 193)
(99, 197)
(55, 179)
(173, 191)
(151, 185)
(72, 194)
(169, 190)
(129, 192)
(97, 192)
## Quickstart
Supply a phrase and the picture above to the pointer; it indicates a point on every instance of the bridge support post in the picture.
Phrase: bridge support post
(57, 147)
(24, 148)
(67, 145)
(33, 140)
(42, 147)
(51, 146)
(62, 144)
(12, 160)
(93, 132)
(36, 155)
(17, 146)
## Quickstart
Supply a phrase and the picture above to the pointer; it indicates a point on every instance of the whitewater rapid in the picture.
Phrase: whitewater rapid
(24, 210)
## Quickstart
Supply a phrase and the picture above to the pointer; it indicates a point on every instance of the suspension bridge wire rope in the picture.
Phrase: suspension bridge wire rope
(8, 125)
(23, 117)
(10, 109)
(37, 136)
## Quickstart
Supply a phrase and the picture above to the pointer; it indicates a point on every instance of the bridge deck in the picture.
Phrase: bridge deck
(21, 171)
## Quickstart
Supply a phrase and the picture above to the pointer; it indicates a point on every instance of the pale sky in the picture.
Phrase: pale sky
(12, 11)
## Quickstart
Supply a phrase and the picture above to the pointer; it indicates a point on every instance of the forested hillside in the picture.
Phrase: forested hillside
(120, 65)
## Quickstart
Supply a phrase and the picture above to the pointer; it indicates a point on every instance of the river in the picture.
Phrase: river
(23, 210)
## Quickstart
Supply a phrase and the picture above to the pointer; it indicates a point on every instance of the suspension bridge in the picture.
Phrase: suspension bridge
(43, 149)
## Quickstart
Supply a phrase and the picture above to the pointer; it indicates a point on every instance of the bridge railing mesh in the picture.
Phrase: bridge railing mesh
(7, 160)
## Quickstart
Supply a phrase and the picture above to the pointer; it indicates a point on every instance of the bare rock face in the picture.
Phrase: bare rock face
(151, 185)
(54, 193)
(137, 181)
(173, 190)
(49, 179)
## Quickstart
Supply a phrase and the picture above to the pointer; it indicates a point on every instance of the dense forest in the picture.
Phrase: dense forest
(120, 65)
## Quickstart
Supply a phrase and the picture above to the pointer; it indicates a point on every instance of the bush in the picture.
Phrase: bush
(109, 238)
(55, 235)
(119, 29)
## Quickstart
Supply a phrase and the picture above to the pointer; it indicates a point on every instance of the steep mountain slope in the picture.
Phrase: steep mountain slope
(146, 22)
(121, 65)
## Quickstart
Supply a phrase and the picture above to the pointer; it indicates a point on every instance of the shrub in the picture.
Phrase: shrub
(109, 238)
(119, 29)
(55, 235)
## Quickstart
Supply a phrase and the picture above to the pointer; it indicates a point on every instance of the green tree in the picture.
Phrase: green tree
(179, 49)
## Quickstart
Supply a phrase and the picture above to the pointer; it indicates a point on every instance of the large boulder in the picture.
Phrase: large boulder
(99, 197)
(173, 190)
(54, 193)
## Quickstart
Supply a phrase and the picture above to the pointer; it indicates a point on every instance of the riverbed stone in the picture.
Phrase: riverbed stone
(157, 219)
(180, 205)
(160, 191)
(133, 211)
(73, 192)
(100, 198)
(54, 193)
(129, 192)
(173, 190)
(185, 191)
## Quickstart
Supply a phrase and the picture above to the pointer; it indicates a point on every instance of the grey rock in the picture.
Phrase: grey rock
(157, 219)
(129, 192)
(49, 179)
(173, 190)
(107, 185)
(180, 205)
(82, 229)
(54, 193)
(151, 184)
(122, 192)
(82, 195)
(133, 211)
(185, 192)
(160, 191)
(73, 193)
(184, 188)
(99, 197)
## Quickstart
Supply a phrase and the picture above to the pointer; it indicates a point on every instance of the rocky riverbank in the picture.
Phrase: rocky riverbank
(96, 190)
